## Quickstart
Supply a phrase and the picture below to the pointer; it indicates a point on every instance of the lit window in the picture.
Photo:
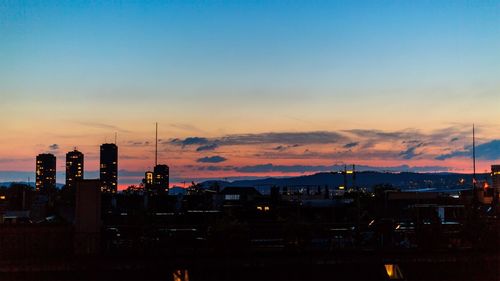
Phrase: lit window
(232, 197)
(393, 271)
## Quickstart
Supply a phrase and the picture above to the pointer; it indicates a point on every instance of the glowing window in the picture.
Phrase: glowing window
(393, 271)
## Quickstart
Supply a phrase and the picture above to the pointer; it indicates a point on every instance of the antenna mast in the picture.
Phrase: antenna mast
(115, 137)
(473, 158)
(156, 145)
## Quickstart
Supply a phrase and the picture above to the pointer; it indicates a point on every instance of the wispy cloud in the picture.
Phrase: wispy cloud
(211, 159)
(410, 153)
(186, 127)
(104, 126)
(272, 168)
(404, 144)
(137, 143)
(10, 160)
(486, 151)
(54, 147)
(189, 141)
(351, 144)
(211, 146)
(285, 147)
(286, 139)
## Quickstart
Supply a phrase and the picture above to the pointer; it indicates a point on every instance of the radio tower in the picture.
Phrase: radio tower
(473, 158)
(156, 145)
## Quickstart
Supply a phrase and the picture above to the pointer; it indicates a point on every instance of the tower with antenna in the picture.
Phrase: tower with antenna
(156, 145)
(473, 158)
(157, 182)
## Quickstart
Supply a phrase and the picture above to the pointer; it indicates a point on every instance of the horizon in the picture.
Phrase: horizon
(182, 184)
(250, 88)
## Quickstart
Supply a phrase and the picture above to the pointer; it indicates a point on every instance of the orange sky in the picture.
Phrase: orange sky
(264, 88)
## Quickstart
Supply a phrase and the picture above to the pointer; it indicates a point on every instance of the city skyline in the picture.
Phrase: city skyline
(249, 88)
(419, 150)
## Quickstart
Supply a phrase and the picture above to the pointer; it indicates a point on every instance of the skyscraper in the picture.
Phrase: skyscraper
(161, 178)
(160, 182)
(45, 172)
(74, 167)
(109, 167)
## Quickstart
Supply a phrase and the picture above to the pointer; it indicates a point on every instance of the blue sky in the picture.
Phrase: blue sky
(74, 72)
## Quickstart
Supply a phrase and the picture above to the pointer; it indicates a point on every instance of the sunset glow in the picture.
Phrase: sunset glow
(251, 88)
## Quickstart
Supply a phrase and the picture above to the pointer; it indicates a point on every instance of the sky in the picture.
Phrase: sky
(250, 88)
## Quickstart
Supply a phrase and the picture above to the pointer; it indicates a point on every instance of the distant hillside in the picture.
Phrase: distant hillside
(368, 180)
(32, 184)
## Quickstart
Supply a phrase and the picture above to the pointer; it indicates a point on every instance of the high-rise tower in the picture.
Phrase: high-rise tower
(161, 178)
(109, 167)
(45, 172)
(157, 182)
(74, 167)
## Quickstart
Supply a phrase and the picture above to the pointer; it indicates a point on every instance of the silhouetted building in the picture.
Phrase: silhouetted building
(74, 167)
(87, 216)
(161, 178)
(495, 178)
(45, 172)
(109, 167)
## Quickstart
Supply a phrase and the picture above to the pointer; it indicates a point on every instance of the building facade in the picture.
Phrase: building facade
(148, 181)
(45, 172)
(87, 223)
(109, 167)
(74, 168)
(161, 175)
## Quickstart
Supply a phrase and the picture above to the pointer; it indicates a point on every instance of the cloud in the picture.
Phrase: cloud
(185, 127)
(9, 160)
(486, 151)
(410, 152)
(285, 147)
(211, 159)
(130, 173)
(409, 136)
(285, 139)
(137, 143)
(216, 168)
(280, 148)
(104, 126)
(351, 144)
(378, 134)
(370, 144)
(190, 141)
(129, 157)
(207, 147)
(54, 146)
(268, 168)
